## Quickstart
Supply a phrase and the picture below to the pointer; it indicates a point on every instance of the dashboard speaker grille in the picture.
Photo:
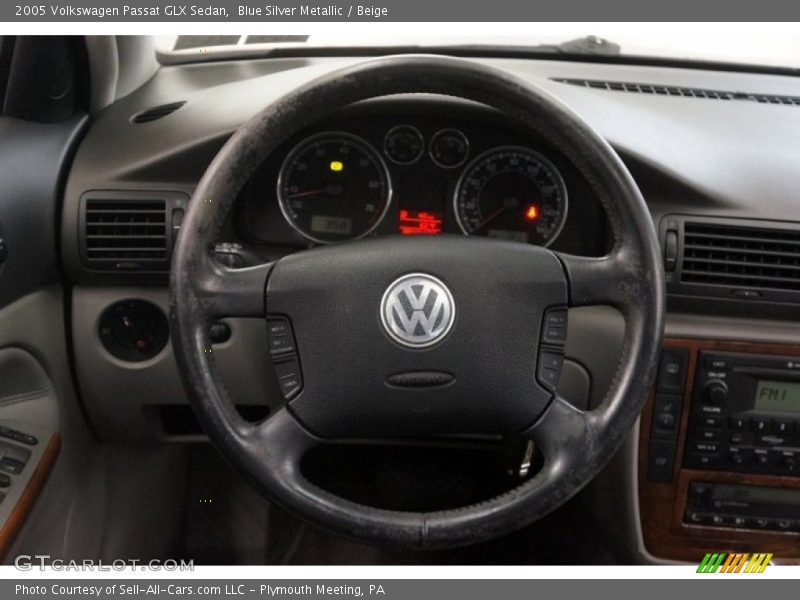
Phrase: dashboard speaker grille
(741, 256)
(126, 234)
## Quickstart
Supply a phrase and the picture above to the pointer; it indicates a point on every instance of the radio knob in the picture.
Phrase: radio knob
(715, 391)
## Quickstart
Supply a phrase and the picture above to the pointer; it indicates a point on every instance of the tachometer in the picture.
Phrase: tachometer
(333, 187)
(512, 193)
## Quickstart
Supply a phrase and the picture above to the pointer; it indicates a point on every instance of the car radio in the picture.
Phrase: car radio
(743, 507)
(745, 414)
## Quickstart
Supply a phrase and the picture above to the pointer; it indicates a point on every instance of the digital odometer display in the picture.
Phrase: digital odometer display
(512, 193)
(777, 396)
(333, 187)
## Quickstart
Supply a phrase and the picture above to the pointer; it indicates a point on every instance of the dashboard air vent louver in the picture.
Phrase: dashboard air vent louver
(685, 92)
(738, 259)
(157, 112)
(121, 234)
(740, 256)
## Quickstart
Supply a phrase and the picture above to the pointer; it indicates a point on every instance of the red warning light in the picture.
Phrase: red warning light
(416, 222)
(532, 212)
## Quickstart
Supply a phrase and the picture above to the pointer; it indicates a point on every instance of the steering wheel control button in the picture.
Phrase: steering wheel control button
(555, 327)
(283, 351)
(288, 374)
(550, 369)
(281, 338)
(551, 347)
(18, 436)
(672, 371)
(417, 310)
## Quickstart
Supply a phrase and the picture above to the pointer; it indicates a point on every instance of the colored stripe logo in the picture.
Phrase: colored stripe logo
(734, 563)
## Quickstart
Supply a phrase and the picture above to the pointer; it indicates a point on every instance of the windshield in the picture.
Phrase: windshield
(714, 43)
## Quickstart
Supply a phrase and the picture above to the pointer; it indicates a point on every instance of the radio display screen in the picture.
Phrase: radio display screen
(777, 396)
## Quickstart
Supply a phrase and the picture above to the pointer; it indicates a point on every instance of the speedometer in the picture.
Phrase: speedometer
(512, 193)
(333, 187)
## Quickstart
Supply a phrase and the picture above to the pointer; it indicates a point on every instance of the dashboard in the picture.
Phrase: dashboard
(424, 167)
(708, 170)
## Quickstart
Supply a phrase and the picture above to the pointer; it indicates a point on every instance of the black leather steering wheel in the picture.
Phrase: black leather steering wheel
(478, 376)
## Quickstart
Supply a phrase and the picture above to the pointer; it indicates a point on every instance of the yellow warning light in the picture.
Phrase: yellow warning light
(336, 166)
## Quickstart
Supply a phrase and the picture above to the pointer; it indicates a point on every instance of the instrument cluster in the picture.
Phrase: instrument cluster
(419, 176)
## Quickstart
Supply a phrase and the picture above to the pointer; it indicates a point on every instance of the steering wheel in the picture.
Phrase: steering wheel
(410, 337)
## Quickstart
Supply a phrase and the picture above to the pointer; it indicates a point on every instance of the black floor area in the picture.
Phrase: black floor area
(227, 522)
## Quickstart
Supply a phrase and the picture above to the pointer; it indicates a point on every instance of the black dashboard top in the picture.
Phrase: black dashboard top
(690, 154)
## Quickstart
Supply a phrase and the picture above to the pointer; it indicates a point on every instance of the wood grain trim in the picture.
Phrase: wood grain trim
(19, 515)
(662, 505)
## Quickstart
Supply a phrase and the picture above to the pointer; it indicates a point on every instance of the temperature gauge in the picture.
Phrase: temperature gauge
(449, 148)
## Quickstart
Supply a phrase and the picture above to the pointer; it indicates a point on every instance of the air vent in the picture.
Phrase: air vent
(684, 92)
(741, 256)
(746, 260)
(157, 112)
(126, 234)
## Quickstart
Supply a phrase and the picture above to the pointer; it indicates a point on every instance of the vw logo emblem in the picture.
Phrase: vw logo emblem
(417, 310)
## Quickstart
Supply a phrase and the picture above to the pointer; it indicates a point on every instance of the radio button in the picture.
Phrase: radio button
(762, 523)
(696, 517)
(762, 457)
(706, 461)
(740, 456)
(707, 435)
(715, 363)
(718, 520)
(710, 422)
(762, 425)
(741, 437)
(739, 423)
(770, 440)
(790, 464)
(741, 522)
(782, 426)
(706, 447)
(784, 524)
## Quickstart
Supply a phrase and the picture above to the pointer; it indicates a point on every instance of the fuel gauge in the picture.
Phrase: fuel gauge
(403, 144)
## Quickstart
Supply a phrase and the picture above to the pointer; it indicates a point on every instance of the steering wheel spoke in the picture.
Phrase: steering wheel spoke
(564, 434)
(230, 292)
(280, 441)
(610, 280)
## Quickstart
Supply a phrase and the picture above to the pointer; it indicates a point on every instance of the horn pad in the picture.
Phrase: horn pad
(401, 337)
